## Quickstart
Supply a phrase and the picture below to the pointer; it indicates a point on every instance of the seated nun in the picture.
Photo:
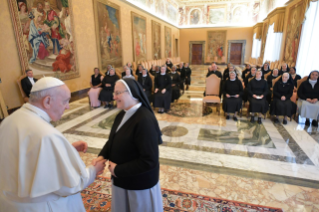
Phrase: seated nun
(96, 87)
(169, 63)
(265, 69)
(257, 91)
(281, 104)
(226, 72)
(130, 66)
(188, 73)
(295, 77)
(247, 70)
(251, 75)
(271, 77)
(108, 68)
(124, 70)
(127, 73)
(308, 93)
(284, 69)
(152, 69)
(233, 91)
(139, 70)
(156, 72)
(146, 83)
(176, 80)
(162, 92)
(108, 83)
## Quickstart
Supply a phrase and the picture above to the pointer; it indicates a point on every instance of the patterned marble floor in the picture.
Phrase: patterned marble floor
(270, 164)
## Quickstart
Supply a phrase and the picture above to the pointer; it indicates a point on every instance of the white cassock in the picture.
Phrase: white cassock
(39, 169)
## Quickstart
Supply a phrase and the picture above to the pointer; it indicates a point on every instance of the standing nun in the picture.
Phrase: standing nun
(188, 73)
(176, 81)
(133, 153)
(162, 92)
(146, 83)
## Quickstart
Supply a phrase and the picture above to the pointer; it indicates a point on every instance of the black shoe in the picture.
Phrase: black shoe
(284, 121)
(235, 118)
(252, 119)
(314, 123)
(276, 120)
(259, 120)
(307, 122)
(227, 117)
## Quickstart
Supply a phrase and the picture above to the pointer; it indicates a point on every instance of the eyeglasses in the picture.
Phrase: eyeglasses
(116, 93)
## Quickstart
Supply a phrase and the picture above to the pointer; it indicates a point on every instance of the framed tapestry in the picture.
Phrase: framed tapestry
(139, 37)
(216, 45)
(168, 42)
(293, 32)
(156, 40)
(108, 34)
(45, 38)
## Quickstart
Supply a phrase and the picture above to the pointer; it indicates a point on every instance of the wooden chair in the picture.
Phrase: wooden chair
(212, 92)
(266, 75)
(24, 96)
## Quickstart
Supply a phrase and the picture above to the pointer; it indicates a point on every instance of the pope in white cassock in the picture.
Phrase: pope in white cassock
(39, 169)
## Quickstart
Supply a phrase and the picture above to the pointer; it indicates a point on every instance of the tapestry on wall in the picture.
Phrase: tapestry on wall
(156, 39)
(293, 32)
(263, 40)
(168, 42)
(108, 34)
(45, 38)
(139, 37)
(216, 46)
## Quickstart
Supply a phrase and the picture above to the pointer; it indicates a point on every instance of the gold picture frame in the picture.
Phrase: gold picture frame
(139, 37)
(108, 34)
(156, 40)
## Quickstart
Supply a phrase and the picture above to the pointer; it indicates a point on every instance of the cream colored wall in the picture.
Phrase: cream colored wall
(188, 35)
(86, 46)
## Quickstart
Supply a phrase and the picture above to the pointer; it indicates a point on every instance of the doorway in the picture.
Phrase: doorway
(236, 51)
(196, 52)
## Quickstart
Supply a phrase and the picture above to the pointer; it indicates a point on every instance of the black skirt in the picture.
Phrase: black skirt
(149, 96)
(162, 100)
(182, 84)
(258, 105)
(232, 105)
(188, 81)
(282, 108)
(106, 95)
(176, 93)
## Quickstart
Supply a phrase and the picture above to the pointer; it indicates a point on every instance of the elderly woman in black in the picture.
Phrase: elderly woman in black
(271, 77)
(233, 91)
(251, 75)
(308, 93)
(162, 92)
(146, 82)
(128, 73)
(257, 92)
(281, 104)
(188, 73)
(133, 153)
(294, 75)
(176, 80)
(108, 84)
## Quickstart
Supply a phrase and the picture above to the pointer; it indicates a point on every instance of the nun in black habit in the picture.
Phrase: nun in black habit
(108, 83)
(257, 91)
(232, 91)
(281, 104)
(247, 70)
(265, 69)
(176, 80)
(181, 71)
(163, 91)
(146, 83)
(133, 153)
(188, 73)
(295, 77)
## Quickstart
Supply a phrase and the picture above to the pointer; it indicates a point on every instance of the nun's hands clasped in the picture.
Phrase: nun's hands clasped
(163, 91)
(112, 167)
(156, 90)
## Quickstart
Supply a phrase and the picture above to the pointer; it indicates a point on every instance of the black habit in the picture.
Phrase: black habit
(106, 94)
(181, 71)
(278, 106)
(134, 148)
(269, 83)
(243, 74)
(232, 104)
(306, 91)
(176, 80)
(188, 73)
(217, 73)
(146, 83)
(163, 100)
(258, 88)
(27, 85)
(297, 77)
(96, 80)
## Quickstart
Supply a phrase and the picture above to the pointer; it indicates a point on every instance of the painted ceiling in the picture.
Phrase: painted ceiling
(209, 13)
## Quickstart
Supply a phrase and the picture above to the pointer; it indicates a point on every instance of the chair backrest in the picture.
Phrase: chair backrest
(118, 73)
(153, 83)
(24, 96)
(250, 79)
(134, 66)
(247, 74)
(275, 80)
(266, 75)
(301, 81)
(212, 85)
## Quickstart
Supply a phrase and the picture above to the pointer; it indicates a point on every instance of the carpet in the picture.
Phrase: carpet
(97, 197)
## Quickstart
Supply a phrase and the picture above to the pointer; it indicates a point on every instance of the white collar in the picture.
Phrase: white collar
(145, 75)
(232, 80)
(258, 79)
(134, 108)
(30, 78)
(38, 111)
(163, 74)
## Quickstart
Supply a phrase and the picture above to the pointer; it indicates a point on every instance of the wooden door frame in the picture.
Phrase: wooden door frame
(243, 50)
(191, 50)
